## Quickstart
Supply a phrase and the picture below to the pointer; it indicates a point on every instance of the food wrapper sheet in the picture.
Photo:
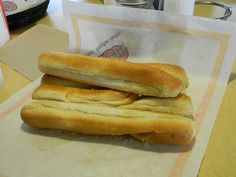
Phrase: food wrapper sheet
(204, 47)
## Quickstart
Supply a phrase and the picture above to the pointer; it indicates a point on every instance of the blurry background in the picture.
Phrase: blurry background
(213, 11)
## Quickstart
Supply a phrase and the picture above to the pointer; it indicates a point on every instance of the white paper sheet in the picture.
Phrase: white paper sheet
(205, 48)
(4, 32)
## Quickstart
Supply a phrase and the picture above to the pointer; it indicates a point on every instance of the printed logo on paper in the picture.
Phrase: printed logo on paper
(112, 47)
(117, 51)
(9, 6)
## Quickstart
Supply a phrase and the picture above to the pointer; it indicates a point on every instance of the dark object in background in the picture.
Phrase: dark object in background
(158, 4)
(28, 16)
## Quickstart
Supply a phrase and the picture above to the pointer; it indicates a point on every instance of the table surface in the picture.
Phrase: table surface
(220, 157)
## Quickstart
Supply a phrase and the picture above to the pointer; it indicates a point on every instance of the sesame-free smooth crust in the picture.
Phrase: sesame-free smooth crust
(114, 74)
(180, 105)
(94, 119)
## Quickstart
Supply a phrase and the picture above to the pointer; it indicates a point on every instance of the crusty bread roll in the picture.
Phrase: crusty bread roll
(78, 95)
(110, 112)
(114, 74)
(180, 105)
(53, 80)
(174, 70)
(104, 120)
(147, 100)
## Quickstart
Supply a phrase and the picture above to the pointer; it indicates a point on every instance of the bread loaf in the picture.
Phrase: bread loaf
(78, 95)
(102, 120)
(180, 105)
(101, 96)
(114, 74)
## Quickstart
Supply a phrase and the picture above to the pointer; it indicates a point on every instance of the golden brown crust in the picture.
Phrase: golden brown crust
(174, 70)
(164, 138)
(103, 120)
(78, 95)
(58, 105)
(180, 105)
(115, 74)
(53, 80)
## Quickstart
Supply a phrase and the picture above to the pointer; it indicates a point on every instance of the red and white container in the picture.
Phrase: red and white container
(4, 30)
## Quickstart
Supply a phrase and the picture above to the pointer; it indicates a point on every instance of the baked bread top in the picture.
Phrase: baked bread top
(114, 74)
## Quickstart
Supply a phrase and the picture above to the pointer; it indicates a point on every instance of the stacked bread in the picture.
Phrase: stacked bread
(101, 96)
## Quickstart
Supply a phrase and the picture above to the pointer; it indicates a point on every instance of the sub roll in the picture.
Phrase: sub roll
(114, 74)
(106, 112)
(180, 105)
(100, 96)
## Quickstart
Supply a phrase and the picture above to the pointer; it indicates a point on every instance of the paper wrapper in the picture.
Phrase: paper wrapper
(205, 48)
(36, 40)
(1, 80)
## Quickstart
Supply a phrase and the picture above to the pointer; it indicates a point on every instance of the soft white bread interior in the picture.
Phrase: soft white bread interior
(114, 74)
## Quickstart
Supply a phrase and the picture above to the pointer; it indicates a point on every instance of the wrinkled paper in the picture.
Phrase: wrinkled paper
(204, 47)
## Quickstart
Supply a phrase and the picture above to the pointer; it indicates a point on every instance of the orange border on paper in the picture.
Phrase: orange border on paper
(181, 160)
(16, 104)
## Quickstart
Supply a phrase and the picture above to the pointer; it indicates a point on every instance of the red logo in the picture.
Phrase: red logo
(9, 6)
(116, 52)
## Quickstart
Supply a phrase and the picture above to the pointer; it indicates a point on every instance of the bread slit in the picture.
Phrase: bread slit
(102, 110)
